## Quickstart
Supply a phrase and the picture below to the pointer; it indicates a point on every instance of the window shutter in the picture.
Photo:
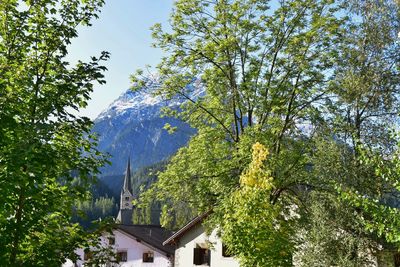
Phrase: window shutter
(396, 257)
(197, 256)
(208, 257)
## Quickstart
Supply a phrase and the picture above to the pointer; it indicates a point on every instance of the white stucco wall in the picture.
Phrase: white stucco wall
(189, 241)
(134, 249)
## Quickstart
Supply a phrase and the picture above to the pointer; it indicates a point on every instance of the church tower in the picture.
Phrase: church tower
(126, 206)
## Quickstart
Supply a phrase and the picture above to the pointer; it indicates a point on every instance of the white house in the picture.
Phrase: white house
(132, 245)
(193, 247)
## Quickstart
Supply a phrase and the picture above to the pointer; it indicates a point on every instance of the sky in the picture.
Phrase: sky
(123, 29)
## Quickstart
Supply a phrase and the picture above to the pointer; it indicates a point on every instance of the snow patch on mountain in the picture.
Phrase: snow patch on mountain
(132, 127)
(135, 101)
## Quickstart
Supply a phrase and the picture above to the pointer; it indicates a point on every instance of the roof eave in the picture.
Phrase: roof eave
(176, 236)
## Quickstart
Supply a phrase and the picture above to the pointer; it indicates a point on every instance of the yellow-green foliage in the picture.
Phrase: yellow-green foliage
(257, 175)
(252, 223)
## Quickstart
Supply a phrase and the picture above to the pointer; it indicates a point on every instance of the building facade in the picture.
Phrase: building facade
(193, 247)
(132, 246)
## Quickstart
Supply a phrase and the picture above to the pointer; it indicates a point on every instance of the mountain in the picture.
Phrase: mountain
(132, 127)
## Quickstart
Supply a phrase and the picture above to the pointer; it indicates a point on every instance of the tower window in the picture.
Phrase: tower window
(127, 198)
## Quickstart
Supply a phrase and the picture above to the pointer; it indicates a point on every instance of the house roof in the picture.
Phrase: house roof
(178, 234)
(152, 235)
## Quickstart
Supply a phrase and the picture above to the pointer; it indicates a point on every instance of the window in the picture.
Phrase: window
(111, 240)
(127, 198)
(148, 256)
(87, 255)
(225, 251)
(122, 256)
(201, 256)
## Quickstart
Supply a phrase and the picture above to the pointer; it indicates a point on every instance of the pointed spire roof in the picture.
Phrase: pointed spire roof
(127, 180)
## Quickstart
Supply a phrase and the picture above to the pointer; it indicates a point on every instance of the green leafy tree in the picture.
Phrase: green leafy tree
(332, 235)
(355, 154)
(147, 209)
(47, 154)
(265, 67)
(316, 83)
(262, 69)
(363, 112)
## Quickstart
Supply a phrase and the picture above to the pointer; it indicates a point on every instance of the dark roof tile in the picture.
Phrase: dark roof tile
(154, 235)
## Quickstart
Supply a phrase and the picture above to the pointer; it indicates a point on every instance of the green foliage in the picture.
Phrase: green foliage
(262, 71)
(364, 114)
(316, 83)
(333, 235)
(257, 234)
(147, 210)
(379, 202)
(41, 140)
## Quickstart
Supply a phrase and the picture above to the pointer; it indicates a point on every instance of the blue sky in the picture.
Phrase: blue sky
(123, 29)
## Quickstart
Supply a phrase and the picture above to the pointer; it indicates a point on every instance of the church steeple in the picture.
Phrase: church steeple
(126, 206)
(127, 181)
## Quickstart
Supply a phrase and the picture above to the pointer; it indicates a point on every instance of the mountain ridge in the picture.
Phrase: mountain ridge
(131, 127)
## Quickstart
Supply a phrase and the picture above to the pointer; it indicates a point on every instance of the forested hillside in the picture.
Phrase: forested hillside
(105, 198)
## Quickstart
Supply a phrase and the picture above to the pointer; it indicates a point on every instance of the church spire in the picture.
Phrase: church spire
(127, 181)
(126, 205)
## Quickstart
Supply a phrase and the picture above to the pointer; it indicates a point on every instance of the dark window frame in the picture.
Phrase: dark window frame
(396, 259)
(111, 240)
(201, 256)
(148, 256)
(122, 256)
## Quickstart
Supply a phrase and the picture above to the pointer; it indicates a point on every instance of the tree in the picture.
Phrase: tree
(363, 112)
(265, 67)
(47, 154)
(147, 211)
(312, 81)
(262, 70)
